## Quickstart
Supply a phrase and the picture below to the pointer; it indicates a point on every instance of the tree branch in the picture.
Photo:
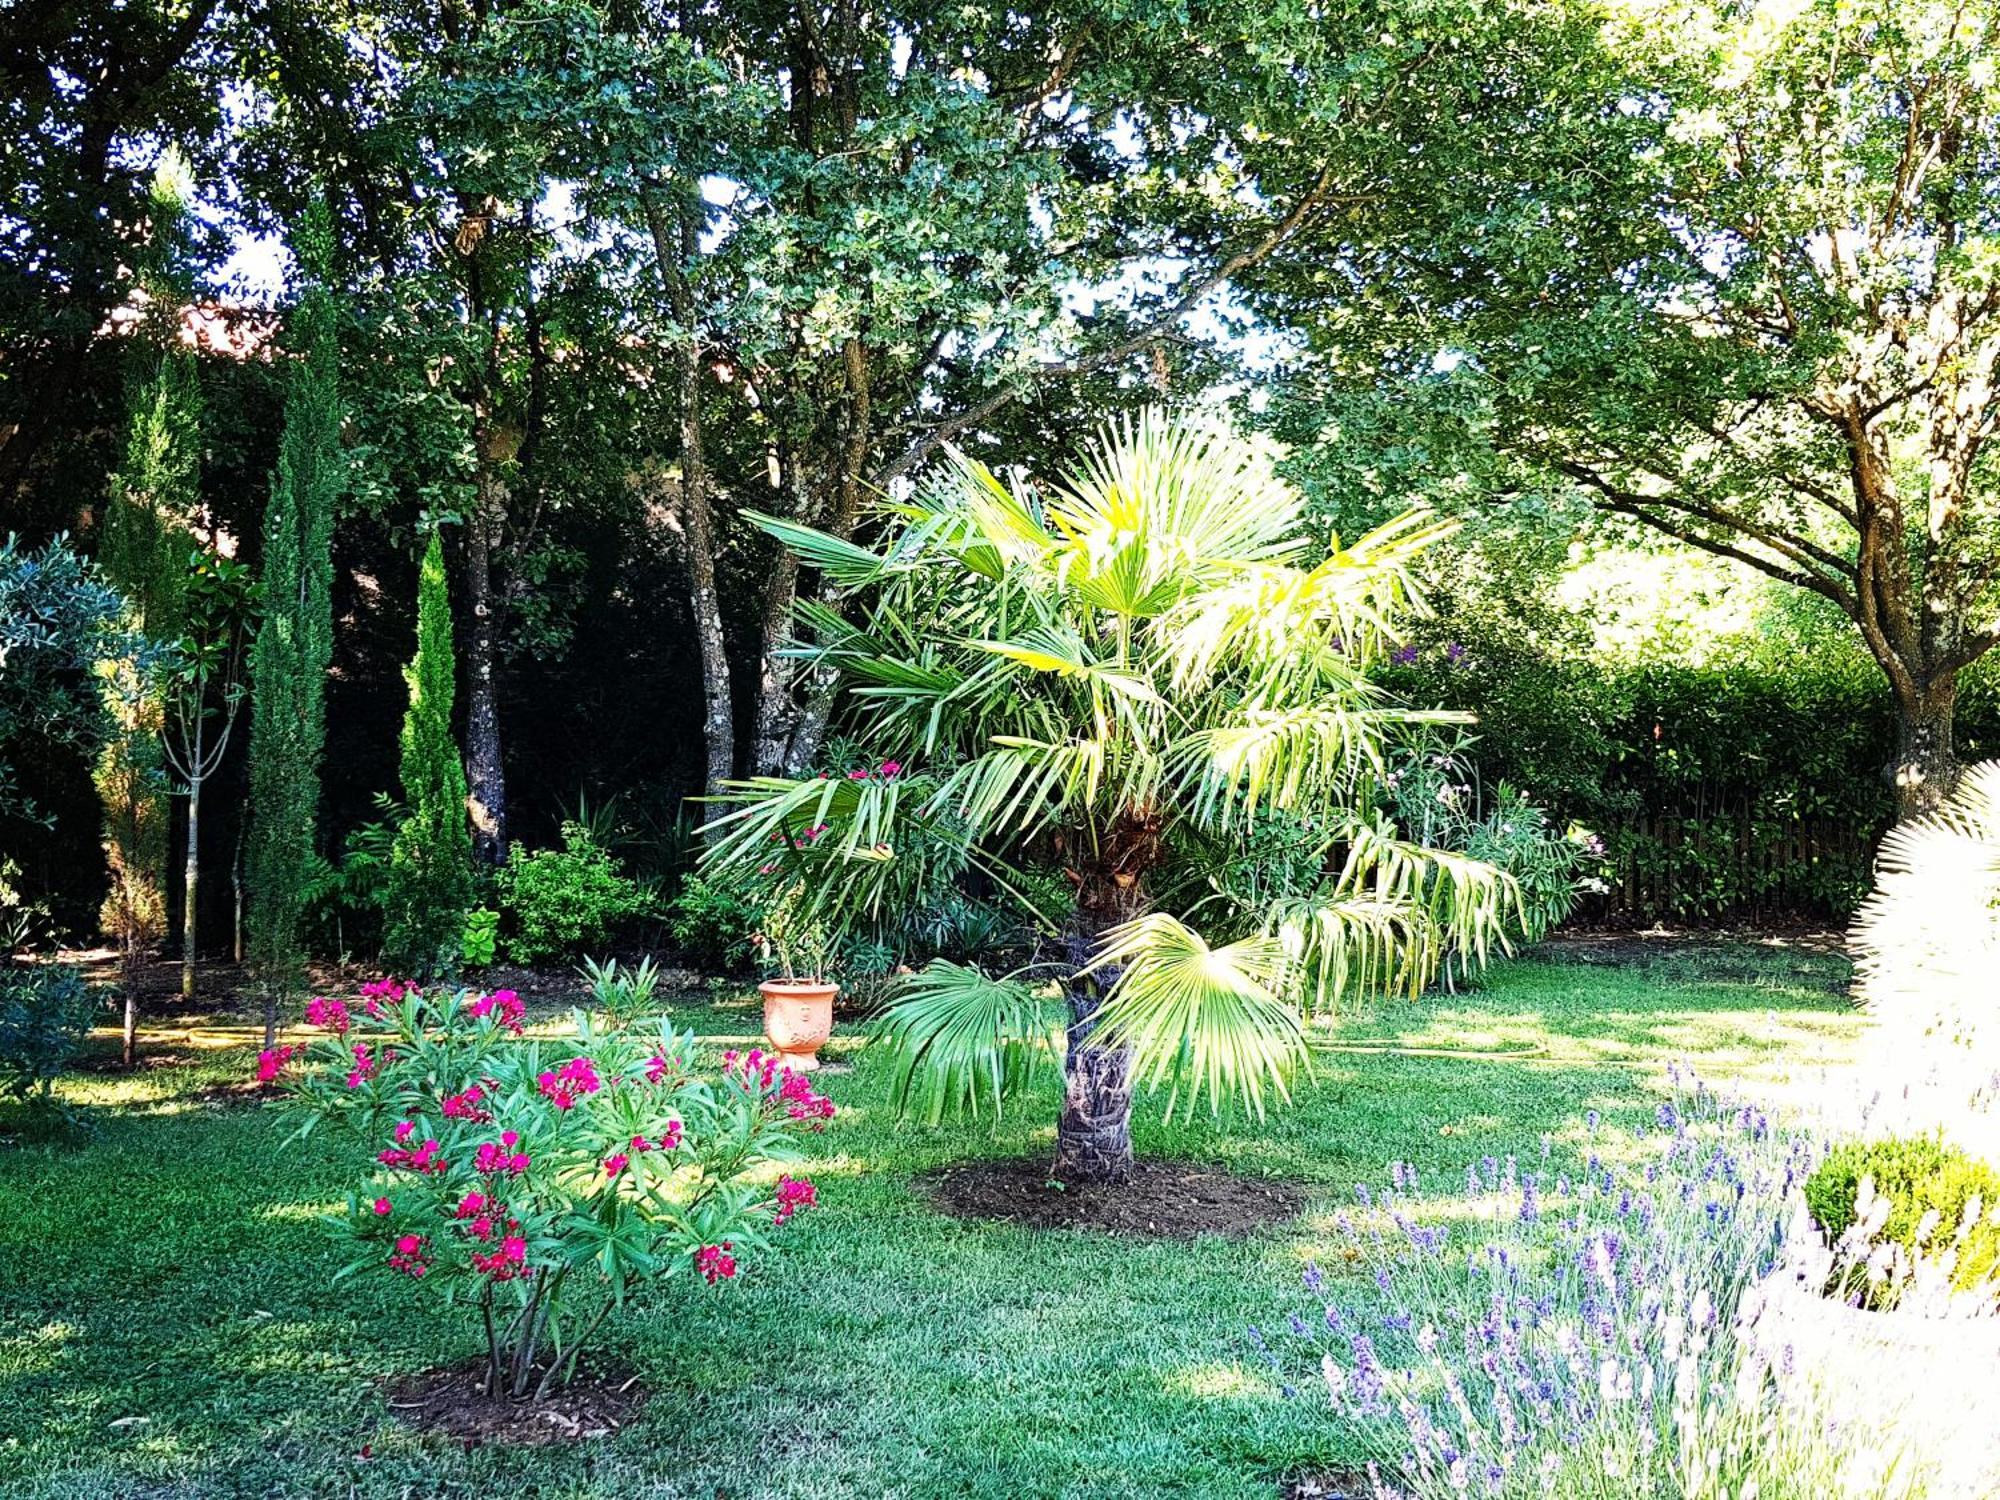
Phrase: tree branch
(940, 432)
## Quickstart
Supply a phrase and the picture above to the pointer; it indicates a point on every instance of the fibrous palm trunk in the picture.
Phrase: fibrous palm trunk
(1094, 1130)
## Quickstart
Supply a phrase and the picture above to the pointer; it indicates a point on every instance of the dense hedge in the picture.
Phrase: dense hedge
(1734, 792)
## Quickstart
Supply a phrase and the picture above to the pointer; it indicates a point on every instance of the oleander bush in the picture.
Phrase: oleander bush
(538, 1183)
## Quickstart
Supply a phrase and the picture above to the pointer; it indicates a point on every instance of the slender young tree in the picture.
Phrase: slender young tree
(204, 690)
(295, 643)
(430, 884)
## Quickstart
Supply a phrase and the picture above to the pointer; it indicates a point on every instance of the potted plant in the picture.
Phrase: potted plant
(797, 943)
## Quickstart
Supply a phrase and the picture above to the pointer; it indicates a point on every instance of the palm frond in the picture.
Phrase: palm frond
(846, 564)
(1202, 1020)
(961, 1037)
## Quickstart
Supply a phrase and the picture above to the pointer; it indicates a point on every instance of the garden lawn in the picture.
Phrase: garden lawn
(170, 1325)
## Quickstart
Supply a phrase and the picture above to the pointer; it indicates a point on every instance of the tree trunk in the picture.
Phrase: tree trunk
(1094, 1130)
(693, 519)
(129, 1051)
(1927, 765)
(485, 776)
(776, 712)
(191, 903)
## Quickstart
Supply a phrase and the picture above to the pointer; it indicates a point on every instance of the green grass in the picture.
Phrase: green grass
(171, 1269)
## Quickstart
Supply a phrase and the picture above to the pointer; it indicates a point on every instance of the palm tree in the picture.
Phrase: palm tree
(1123, 671)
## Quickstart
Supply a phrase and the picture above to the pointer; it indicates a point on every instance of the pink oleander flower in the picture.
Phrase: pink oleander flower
(659, 1068)
(505, 1004)
(892, 767)
(424, 1159)
(794, 1193)
(329, 1015)
(615, 1163)
(404, 1130)
(504, 1264)
(576, 1078)
(381, 1206)
(494, 1158)
(465, 1106)
(671, 1141)
(271, 1062)
(410, 1256)
(364, 1066)
(715, 1262)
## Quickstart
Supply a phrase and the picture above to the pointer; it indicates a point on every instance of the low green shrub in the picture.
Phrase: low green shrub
(1917, 1177)
(46, 1011)
(559, 902)
(712, 925)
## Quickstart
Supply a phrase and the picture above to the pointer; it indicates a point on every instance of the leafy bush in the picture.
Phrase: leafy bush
(562, 901)
(1533, 1332)
(46, 1011)
(481, 942)
(712, 923)
(1437, 799)
(622, 993)
(1914, 1193)
(538, 1183)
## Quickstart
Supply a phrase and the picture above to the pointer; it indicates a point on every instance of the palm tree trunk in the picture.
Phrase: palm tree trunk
(1094, 1130)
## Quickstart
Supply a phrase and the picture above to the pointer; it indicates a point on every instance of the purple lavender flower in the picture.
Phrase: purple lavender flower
(1405, 656)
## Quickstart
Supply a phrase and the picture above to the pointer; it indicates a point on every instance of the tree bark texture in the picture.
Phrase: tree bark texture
(1094, 1128)
(485, 773)
(692, 517)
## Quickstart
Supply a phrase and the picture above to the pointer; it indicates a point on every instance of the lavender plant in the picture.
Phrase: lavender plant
(1536, 1331)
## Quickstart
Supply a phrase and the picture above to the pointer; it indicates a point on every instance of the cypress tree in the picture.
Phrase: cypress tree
(143, 551)
(294, 646)
(430, 883)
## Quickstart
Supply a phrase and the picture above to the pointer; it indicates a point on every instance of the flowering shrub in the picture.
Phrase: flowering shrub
(1537, 1332)
(538, 1181)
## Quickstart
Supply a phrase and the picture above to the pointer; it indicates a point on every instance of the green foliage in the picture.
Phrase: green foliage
(1438, 800)
(46, 1012)
(558, 902)
(430, 884)
(1143, 657)
(712, 923)
(144, 552)
(1722, 791)
(622, 993)
(58, 619)
(623, 1161)
(293, 648)
(1927, 1187)
(482, 937)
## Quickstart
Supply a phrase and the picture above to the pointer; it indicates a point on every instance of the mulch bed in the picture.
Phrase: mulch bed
(1164, 1200)
(452, 1403)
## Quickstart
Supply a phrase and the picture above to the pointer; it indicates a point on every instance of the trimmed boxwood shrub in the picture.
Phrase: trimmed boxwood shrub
(1916, 1174)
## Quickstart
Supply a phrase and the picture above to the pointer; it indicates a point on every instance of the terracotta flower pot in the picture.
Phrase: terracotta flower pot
(798, 1018)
